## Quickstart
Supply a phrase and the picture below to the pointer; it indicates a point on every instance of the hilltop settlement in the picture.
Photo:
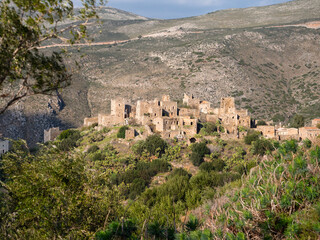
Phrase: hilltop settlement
(163, 116)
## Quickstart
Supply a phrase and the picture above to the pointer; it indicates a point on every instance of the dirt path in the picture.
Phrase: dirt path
(86, 44)
(154, 35)
(312, 25)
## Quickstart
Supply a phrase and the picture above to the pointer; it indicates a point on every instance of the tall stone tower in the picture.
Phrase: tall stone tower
(118, 108)
(227, 106)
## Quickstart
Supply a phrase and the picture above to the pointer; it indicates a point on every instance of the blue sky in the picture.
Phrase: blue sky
(166, 9)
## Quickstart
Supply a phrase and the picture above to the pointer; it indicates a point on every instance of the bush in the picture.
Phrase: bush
(251, 136)
(179, 172)
(122, 132)
(297, 121)
(207, 166)
(139, 147)
(261, 123)
(261, 146)
(208, 128)
(307, 143)
(68, 139)
(98, 156)
(196, 159)
(219, 165)
(154, 144)
(200, 148)
(93, 149)
(137, 187)
(66, 134)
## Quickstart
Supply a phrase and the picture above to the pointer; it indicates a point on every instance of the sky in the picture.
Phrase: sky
(168, 9)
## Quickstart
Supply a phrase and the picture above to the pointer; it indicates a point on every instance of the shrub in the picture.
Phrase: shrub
(219, 165)
(207, 166)
(251, 136)
(139, 147)
(68, 139)
(137, 187)
(261, 123)
(98, 156)
(297, 121)
(192, 224)
(196, 159)
(66, 134)
(200, 148)
(318, 125)
(122, 132)
(93, 149)
(307, 143)
(208, 128)
(118, 230)
(261, 146)
(154, 144)
(179, 172)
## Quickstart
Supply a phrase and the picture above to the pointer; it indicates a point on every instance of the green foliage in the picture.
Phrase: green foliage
(278, 118)
(179, 172)
(66, 134)
(251, 136)
(122, 132)
(195, 235)
(261, 123)
(196, 159)
(154, 144)
(138, 148)
(68, 139)
(216, 165)
(261, 146)
(307, 143)
(207, 166)
(200, 148)
(297, 121)
(93, 149)
(26, 25)
(53, 195)
(118, 230)
(192, 224)
(172, 153)
(236, 159)
(140, 176)
(208, 128)
(271, 204)
(318, 125)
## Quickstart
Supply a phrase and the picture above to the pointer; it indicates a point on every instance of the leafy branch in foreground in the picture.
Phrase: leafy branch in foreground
(25, 26)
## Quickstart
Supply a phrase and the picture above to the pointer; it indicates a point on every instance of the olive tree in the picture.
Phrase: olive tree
(25, 27)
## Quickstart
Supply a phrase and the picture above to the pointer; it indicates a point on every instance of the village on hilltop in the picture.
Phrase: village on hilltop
(170, 121)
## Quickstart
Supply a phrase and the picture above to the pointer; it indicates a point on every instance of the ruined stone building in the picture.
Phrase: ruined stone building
(230, 117)
(315, 122)
(281, 133)
(51, 134)
(164, 116)
(4, 145)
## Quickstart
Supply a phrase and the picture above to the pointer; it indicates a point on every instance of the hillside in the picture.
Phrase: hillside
(266, 57)
(92, 183)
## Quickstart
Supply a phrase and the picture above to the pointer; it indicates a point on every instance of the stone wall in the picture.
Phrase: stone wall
(4, 146)
(311, 133)
(267, 131)
(89, 121)
(315, 122)
(51, 134)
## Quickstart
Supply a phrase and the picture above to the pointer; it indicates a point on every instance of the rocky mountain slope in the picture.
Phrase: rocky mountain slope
(266, 57)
